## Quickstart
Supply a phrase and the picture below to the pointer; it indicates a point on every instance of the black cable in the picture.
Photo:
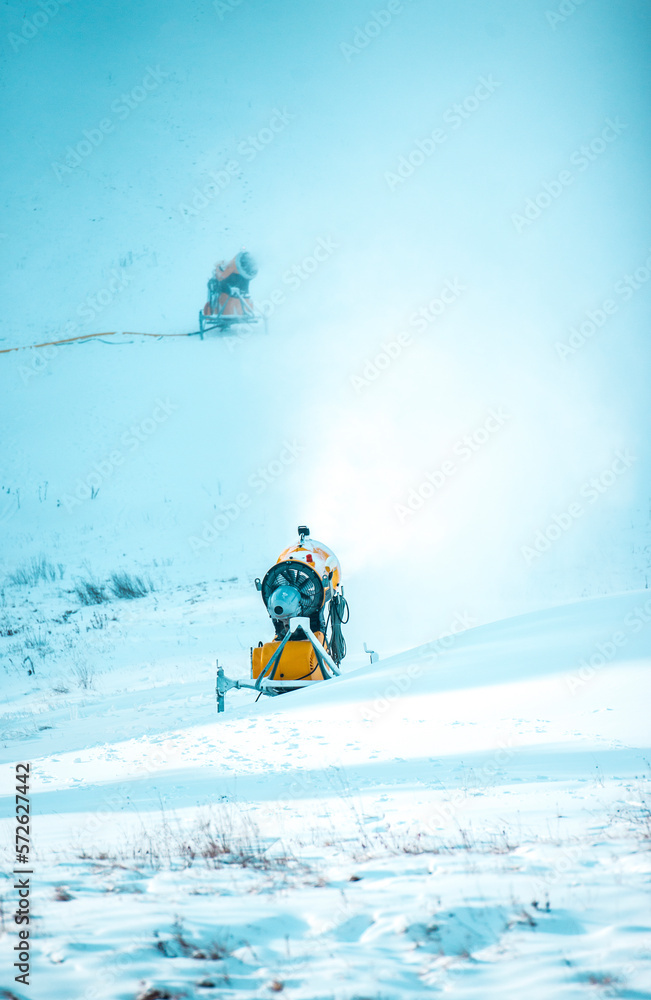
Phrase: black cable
(338, 615)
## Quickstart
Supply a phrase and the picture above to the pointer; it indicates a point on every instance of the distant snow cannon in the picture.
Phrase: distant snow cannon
(304, 598)
(229, 304)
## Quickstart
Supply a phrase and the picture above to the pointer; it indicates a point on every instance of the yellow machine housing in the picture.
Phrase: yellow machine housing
(304, 597)
(297, 663)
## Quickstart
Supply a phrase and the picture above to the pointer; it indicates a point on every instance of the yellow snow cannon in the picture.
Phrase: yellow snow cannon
(304, 597)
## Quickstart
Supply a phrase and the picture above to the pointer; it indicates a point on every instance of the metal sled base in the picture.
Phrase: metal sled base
(266, 682)
(223, 322)
(229, 324)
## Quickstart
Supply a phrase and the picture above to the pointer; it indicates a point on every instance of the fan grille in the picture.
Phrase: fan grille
(298, 575)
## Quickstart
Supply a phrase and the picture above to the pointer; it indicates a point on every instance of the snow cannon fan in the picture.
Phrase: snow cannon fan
(304, 597)
(244, 264)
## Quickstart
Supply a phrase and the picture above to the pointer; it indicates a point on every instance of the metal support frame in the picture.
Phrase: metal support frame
(266, 683)
(371, 652)
(218, 321)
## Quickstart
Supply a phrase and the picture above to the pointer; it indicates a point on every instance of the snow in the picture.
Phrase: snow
(469, 815)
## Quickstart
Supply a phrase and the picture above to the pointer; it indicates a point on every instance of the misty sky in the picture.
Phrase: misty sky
(474, 179)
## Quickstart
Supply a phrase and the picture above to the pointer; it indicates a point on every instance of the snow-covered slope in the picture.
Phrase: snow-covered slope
(468, 817)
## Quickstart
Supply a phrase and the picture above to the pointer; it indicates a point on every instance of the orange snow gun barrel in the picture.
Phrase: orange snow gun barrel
(229, 302)
(304, 597)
